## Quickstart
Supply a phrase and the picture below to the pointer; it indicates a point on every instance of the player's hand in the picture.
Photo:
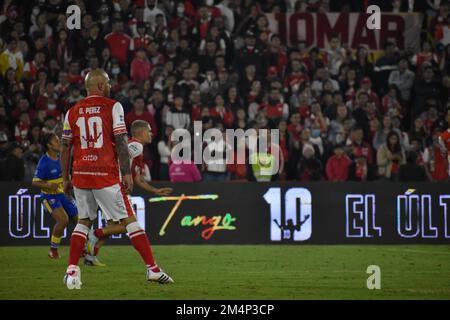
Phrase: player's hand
(68, 188)
(163, 191)
(127, 181)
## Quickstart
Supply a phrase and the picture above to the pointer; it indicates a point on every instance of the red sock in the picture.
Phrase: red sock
(96, 249)
(142, 245)
(99, 233)
(77, 242)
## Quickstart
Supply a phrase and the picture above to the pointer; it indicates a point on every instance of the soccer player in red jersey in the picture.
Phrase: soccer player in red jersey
(444, 141)
(141, 135)
(95, 130)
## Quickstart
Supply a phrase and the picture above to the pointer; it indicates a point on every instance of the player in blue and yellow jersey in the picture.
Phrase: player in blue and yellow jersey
(48, 178)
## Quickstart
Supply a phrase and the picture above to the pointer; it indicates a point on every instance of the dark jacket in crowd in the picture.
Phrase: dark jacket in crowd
(12, 169)
(411, 172)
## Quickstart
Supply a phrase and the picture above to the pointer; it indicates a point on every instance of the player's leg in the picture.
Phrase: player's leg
(58, 213)
(87, 211)
(96, 241)
(96, 236)
(140, 241)
(115, 202)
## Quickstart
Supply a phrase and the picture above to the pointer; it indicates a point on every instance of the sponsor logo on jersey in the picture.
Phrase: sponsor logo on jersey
(90, 157)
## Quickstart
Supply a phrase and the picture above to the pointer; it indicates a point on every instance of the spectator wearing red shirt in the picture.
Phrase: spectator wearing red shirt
(357, 145)
(439, 20)
(337, 166)
(142, 40)
(31, 67)
(203, 23)
(276, 55)
(220, 113)
(49, 101)
(196, 105)
(296, 77)
(275, 108)
(23, 106)
(435, 163)
(74, 75)
(139, 113)
(295, 128)
(366, 85)
(141, 68)
(360, 169)
(118, 42)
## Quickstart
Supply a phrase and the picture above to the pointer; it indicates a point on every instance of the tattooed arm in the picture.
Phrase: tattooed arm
(124, 161)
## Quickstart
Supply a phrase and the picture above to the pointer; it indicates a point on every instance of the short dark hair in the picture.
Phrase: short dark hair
(139, 97)
(46, 139)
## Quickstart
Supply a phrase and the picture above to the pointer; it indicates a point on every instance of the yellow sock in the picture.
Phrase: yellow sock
(55, 241)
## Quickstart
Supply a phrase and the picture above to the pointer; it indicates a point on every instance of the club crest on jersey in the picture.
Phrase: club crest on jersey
(52, 201)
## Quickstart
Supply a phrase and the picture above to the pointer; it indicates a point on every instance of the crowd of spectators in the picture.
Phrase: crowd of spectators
(343, 114)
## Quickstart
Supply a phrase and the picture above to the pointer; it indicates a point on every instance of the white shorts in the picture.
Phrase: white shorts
(113, 201)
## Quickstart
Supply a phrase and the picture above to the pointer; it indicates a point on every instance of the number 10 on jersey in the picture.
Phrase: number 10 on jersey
(91, 132)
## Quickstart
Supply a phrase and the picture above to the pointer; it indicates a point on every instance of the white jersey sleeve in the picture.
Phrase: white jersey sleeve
(118, 118)
(135, 149)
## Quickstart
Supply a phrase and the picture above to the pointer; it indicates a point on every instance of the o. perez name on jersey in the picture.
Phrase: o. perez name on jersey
(89, 110)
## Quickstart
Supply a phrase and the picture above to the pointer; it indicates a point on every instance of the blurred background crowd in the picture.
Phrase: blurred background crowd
(343, 114)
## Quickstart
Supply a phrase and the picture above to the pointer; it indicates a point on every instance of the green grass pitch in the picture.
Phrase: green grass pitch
(235, 272)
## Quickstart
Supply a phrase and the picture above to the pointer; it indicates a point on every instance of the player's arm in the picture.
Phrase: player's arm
(66, 148)
(121, 141)
(141, 183)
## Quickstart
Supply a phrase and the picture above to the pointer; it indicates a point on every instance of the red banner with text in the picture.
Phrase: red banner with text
(314, 29)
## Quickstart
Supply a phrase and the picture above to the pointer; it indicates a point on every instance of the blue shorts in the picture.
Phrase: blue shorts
(53, 201)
